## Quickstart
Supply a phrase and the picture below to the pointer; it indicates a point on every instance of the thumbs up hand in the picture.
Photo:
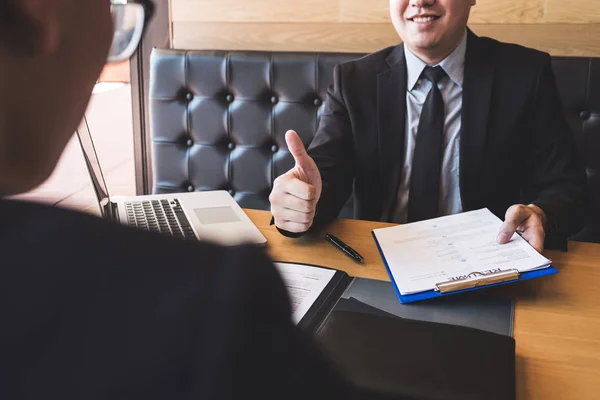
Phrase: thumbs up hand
(295, 194)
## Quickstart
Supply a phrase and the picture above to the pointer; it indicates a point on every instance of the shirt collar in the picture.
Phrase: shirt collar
(453, 65)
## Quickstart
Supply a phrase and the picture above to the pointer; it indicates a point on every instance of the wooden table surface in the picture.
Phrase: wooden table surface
(557, 318)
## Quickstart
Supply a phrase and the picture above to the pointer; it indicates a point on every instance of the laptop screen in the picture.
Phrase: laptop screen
(93, 166)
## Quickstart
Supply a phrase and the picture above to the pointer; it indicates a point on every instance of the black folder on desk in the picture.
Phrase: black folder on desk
(459, 348)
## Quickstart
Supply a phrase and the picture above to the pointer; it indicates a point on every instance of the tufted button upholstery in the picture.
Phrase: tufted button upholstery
(243, 103)
(252, 124)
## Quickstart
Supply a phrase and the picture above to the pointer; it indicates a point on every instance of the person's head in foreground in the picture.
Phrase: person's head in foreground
(51, 54)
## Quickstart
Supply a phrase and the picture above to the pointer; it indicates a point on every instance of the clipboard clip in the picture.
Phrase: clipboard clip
(475, 279)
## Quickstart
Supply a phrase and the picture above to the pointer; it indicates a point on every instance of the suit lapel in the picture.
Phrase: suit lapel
(477, 92)
(391, 109)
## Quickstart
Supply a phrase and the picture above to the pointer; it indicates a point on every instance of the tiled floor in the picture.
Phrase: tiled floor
(110, 121)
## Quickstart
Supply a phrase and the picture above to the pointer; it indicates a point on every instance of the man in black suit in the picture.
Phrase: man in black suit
(93, 310)
(443, 123)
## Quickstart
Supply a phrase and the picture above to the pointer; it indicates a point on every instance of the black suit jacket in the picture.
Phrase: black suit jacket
(515, 143)
(93, 310)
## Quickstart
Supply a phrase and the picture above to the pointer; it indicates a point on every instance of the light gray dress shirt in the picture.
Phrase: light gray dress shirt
(417, 89)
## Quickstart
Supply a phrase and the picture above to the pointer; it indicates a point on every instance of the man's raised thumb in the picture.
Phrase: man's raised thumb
(296, 147)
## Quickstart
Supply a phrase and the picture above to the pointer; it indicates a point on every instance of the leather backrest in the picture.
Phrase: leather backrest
(218, 118)
(578, 81)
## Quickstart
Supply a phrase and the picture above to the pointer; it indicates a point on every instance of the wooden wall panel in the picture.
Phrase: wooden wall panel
(486, 11)
(574, 11)
(560, 27)
(508, 12)
(556, 39)
(266, 11)
(355, 11)
(280, 37)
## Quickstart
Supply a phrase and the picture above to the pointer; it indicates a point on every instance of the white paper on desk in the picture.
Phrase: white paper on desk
(304, 284)
(422, 254)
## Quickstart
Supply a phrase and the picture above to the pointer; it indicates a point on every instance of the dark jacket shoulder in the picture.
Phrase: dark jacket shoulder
(510, 57)
(369, 64)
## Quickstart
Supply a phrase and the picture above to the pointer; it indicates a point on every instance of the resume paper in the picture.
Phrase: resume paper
(304, 284)
(423, 254)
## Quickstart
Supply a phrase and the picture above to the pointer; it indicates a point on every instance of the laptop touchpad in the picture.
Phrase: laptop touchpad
(216, 215)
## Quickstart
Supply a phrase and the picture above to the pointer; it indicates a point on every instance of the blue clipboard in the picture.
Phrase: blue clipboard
(431, 294)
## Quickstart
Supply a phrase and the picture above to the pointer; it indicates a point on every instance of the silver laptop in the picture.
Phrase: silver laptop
(209, 216)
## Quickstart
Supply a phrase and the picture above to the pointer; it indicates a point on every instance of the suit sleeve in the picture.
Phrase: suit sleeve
(556, 180)
(333, 151)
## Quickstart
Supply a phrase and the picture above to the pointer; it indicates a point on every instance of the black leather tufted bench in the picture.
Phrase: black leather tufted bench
(578, 81)
(218, 118)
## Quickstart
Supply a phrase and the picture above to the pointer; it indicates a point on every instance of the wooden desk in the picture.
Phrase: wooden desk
(557, 318)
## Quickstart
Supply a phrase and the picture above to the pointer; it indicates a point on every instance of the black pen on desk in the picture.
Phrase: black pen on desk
(344, 247)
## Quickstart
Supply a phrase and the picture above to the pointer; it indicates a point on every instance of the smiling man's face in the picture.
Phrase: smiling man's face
(431, 29)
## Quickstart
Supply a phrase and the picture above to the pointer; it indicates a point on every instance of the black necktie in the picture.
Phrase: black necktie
(423, 194)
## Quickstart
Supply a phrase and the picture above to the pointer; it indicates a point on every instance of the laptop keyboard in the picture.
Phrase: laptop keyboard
(163, 216)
